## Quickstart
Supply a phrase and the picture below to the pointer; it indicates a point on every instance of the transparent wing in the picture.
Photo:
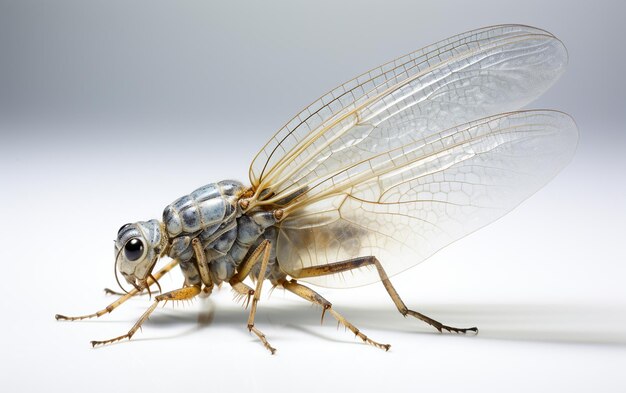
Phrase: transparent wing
(405, 204)
(472, 75)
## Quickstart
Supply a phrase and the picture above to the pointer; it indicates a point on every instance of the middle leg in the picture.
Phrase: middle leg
(237, 284)
(314, 297)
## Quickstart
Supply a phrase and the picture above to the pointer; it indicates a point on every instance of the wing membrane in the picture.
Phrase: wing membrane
(468, 76)
(405, 204)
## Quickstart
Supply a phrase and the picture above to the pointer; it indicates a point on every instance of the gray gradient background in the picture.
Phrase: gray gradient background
(109, 110)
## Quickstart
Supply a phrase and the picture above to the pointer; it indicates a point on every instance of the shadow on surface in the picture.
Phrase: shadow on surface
(581, 324)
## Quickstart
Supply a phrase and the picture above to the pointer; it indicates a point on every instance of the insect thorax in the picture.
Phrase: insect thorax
(212, 214)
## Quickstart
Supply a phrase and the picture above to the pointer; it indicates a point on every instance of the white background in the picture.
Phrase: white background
(91, 141)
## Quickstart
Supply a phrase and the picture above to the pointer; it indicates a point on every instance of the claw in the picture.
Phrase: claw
(457, 330)
(95, 343)
(60, 317)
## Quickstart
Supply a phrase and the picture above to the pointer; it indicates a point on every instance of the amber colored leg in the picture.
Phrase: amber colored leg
(122, 299)
(203, 265)
(257, 297)
(242, 272)
(356, 263)
(178, 294)
(246, 266)
(243, 292)
(314, 297)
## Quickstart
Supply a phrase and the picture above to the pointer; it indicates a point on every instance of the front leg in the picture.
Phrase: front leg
(178, 294)
(122, 299)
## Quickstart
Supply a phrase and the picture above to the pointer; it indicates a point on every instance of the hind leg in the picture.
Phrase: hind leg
(344, 266)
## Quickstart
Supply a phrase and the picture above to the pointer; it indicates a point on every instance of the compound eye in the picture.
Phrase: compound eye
(133, 249)
(122, 227)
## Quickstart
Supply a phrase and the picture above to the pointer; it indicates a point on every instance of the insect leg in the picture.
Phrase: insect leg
(178, 294)
(203, 265)
(356, 263)
(257, 297)
(122, 299)
(242, 273)
(246, 266)
(314, 297)
(244, 291)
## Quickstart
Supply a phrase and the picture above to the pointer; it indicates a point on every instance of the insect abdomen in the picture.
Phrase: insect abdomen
(203, 208)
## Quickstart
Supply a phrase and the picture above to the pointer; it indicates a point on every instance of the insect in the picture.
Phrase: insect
(371, 179)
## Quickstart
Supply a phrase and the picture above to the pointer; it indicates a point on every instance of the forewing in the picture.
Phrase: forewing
(478, 73)
(405, 204)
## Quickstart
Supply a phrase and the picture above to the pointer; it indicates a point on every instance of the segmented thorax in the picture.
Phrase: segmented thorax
(212, 215)
(203, 210)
